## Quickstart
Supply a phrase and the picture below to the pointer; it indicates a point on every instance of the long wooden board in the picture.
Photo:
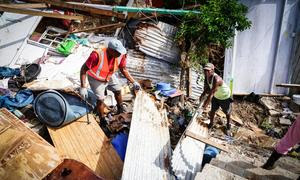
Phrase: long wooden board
(25, 5)
(23, 153)
(88, 9)
(40, 13)
(88, 144)
(206, 141)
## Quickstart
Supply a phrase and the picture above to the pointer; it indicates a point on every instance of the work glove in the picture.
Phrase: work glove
(136, 86)
(83, 93)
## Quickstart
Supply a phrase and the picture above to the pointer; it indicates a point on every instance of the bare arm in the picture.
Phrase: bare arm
(218, 82)
(83, 71)
(127, 75)
(205, 91)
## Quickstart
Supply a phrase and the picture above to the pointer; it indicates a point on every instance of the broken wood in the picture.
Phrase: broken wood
(206, 141)
(88, 9)
(116, 25)
(88, 144)
(23, 153)
(148, 149)
(288, 85)
(39, 13)
(25, 5)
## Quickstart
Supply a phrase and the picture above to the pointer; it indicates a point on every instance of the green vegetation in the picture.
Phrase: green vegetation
(215, 25)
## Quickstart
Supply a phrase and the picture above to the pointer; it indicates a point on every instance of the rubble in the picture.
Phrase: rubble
(165, 139)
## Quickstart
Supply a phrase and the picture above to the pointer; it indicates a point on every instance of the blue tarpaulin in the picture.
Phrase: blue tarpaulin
(21, 99)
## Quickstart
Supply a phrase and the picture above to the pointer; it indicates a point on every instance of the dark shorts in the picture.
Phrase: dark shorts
(224, 104)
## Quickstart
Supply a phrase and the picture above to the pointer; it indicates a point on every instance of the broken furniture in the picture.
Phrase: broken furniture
(23, 153)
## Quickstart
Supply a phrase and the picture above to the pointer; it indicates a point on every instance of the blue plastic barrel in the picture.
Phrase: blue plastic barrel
(57, 109)
(119, 142)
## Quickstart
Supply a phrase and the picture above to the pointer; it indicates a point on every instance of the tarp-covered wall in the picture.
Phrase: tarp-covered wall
(260, 56)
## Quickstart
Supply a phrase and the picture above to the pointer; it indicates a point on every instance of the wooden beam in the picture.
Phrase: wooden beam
(90, 10)
(39, 13)
(116, 25)
(25, 5)
(206, 141)
(288, 85)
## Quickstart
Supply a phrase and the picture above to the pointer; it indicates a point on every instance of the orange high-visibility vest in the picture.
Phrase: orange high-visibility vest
(101, 71)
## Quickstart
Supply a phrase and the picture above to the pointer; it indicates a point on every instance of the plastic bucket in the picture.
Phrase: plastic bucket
(210, 152)
(57, 109)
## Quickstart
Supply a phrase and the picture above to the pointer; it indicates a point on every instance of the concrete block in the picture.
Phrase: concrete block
(211, 172)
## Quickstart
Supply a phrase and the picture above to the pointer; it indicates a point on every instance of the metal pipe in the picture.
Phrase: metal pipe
(152, 10)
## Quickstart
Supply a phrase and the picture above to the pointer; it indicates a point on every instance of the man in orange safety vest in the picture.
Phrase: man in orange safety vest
(100, 68)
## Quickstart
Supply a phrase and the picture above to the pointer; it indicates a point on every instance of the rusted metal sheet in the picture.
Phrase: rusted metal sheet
(148, 150)
(23, 153)
(146, 67)
(157, 40)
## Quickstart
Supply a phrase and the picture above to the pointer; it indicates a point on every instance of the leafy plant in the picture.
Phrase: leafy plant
(215, 24)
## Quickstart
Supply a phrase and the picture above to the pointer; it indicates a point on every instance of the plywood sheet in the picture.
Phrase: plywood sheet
(23, 153)
(88, 144)
(148, 149)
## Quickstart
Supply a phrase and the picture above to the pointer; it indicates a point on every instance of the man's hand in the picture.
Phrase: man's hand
(136, 86)
(83, 92)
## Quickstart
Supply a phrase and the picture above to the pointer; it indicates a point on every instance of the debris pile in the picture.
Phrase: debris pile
(161, 132)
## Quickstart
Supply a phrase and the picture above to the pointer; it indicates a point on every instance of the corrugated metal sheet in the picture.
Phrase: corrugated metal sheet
(146, 67)
(157, 40)
(148, 149)
(188, 153)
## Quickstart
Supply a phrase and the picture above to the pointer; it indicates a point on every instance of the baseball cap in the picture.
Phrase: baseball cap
(117, 45)
(209, 66)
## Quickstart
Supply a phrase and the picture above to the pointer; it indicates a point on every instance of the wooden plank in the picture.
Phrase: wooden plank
(88, 144)
(25, 5)
(88, 9)
(115, 25)
(39, 13)
(23, 153)
(288, 85)
(148, 149)
(206, 141)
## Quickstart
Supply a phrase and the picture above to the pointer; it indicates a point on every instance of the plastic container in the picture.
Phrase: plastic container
(120, 144)
(55, 109)
(210, 152)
